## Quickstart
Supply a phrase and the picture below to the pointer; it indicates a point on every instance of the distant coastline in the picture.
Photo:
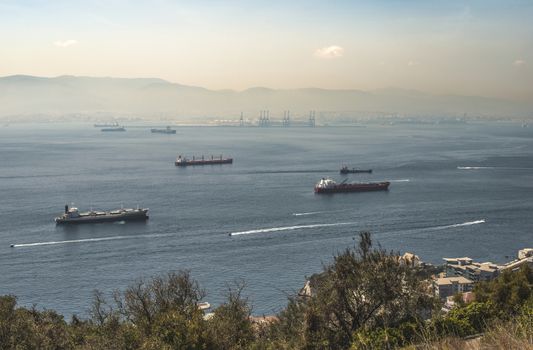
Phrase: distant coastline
(75, 97)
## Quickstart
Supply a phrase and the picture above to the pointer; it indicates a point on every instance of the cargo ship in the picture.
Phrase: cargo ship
(106, 125)
(182, 161)
(121, 128)
(345, 170)
(166, 130)
(73, 216)
(326, 185)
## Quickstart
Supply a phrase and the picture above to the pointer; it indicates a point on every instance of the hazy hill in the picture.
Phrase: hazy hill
(30, 95)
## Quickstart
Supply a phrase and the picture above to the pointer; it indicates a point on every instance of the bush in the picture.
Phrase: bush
(508, 292)
(382, 338)
(230, 327)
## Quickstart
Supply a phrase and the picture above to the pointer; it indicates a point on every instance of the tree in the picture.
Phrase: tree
(22, 328)
(231, 327)
(7, 319)
(508, 292)
(288, 331)
(143, 301)
(363, 288)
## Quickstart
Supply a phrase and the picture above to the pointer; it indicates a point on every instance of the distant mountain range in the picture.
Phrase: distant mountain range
(22, 95)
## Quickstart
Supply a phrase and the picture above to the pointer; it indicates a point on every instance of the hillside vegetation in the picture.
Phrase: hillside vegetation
(366, 298)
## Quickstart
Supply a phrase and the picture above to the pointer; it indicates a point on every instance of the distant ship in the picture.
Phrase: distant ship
(326, 185)
(345, 170)
(202, 161)
(167, 130)
(73, 216)
(106, 125)
(114, 129)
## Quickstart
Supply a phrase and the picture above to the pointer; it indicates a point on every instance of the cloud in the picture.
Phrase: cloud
(65, 43)
(519, 63)
(413, 63)
(332, 51)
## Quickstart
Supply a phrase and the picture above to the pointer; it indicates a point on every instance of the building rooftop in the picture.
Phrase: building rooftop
(451, 280)
(465, 259)
(516, 263)
(488, 266)
(525, 253)
(410, 259)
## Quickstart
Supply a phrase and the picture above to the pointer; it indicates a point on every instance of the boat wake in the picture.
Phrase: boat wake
(468, 223)
(291, 171)
(36, 176)
(309, 213)
(319, 212)
(400, 180)
(86, 240)
(491, 167)
(288, 228)
(475, 167)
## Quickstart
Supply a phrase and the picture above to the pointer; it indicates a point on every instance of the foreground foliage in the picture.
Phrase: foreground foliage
(367, 298)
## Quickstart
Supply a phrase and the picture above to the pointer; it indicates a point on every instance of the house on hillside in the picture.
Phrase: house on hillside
(448, 286)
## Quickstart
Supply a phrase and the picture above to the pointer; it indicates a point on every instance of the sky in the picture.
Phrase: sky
(482, 48)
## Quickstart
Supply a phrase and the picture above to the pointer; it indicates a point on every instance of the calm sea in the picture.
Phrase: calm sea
(456, 190)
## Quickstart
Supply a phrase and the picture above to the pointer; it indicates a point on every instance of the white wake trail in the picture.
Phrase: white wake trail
(468, 223)
(474, 167)
(309, 213)
(320, 212)
(491, 167)
(288, 228)
(86, 240)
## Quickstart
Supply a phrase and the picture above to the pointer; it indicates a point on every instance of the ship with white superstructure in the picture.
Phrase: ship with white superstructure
(327, 185)
(73, 216)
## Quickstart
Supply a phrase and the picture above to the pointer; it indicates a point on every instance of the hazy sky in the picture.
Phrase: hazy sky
(460, 47)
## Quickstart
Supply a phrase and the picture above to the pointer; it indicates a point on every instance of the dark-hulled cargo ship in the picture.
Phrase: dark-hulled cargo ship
(166, 130)
(113, 129)
(326, 185)
(73, 216)
(107, 125)
(346, 170)
(182, 161)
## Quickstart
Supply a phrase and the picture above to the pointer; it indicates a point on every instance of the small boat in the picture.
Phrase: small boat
(204, 305)
(326, 185)
(346, 170)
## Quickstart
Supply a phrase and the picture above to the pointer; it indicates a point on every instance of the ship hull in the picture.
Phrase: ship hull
(134, 215)
(106, 125)
(157, 131)
(113, 129)
(204, 162)
(355, 171)
(345, 188)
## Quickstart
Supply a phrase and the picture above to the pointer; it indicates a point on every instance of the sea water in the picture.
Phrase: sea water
(456, 190)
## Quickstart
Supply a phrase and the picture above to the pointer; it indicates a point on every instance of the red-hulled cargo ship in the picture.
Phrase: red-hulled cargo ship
(182, 161)
(329, 186)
